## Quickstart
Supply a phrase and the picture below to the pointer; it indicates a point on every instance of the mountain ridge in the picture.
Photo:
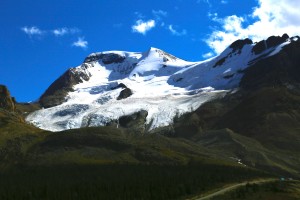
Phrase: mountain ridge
(154, 81)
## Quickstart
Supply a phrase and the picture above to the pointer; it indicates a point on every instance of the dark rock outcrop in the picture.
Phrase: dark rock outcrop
(135, 122)
(56, 93)
(125, 94)
(107, 58)
(276, 40)
(282, 68)
(112, 58)
(220, 62)
(239, 44)
(6, 101)
(270, 42)
(259, 47)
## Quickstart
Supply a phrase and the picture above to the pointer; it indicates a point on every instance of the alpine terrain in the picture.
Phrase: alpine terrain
(154, 86)
(149, 125)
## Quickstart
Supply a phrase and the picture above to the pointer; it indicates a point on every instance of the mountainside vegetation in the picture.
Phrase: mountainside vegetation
(251, 133)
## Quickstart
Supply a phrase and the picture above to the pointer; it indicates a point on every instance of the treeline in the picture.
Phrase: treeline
(117, 181)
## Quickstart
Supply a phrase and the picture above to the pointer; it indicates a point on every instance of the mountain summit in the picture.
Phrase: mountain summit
(151, 88)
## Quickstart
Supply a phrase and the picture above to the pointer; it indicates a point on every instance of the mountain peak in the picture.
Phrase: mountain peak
(113, 84)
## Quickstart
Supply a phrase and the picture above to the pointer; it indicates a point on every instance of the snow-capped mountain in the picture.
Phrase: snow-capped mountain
(113, 84)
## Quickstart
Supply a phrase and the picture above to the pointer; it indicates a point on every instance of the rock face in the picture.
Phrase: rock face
(270, 42)
(135, 122)
(124, 94)
(107, 58)
(56, 93)
(282, 68)
(6, 101)
(239, 44)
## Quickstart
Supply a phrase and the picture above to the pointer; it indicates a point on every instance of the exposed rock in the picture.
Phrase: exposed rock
(220, 62)
(270, 42)
(107, 58)
(112, 58)
(259, 47)
(56, 93)
(239, 44)
(93, 57)
(125, 94)
(277, 70)
(6, 101)
(228, 76)
(276, 40)
(135, 122)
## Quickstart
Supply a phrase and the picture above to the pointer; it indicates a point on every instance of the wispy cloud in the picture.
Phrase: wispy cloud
(208, 55)
(158, 14)
(143, 26)
(139, 15)
(204, 1)
(64, 31)
(60, 31)
(175, 32)
(33, 30)
(271, 17)
(57, 32)
(81, 42)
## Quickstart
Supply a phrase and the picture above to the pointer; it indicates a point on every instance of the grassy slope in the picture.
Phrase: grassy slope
(106, 162)
(261, 127)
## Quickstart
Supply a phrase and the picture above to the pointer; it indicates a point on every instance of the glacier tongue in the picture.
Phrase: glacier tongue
(161, 84)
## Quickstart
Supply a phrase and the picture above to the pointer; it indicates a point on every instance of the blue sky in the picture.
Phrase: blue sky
(40, 39)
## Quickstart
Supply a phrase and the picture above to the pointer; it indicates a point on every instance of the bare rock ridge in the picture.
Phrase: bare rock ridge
(269, 43)
(107, 58)
(57, 91)
(239, 44)
(6, 101)
(280, 69)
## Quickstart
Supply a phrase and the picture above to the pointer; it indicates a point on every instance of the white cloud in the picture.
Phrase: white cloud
(159, 13)
(64, 31)
(80, 43)
(271, 17)
(208, 55)
(60, 31)
(32, 30)
(143, 26)
(175, 32)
